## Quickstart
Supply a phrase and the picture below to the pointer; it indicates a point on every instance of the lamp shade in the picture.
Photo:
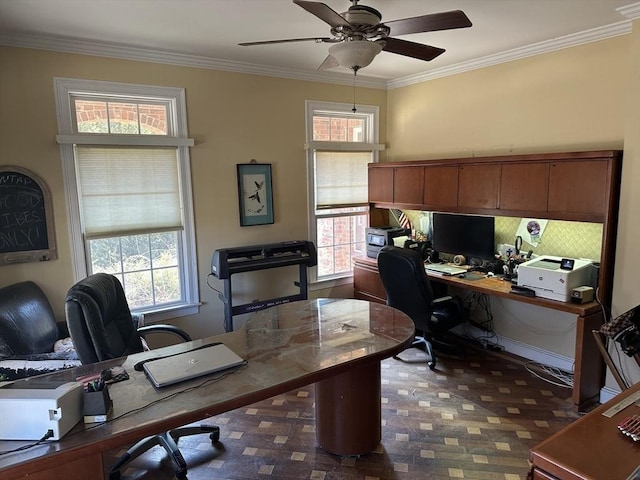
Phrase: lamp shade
(355, 54)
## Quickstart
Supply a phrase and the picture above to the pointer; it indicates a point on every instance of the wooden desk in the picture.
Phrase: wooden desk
(591, 448)
(589, 367)
(336, 343)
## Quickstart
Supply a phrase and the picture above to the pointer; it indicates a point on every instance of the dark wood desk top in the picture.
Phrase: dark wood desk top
(287, 346)
(592, 447)
(499, 287)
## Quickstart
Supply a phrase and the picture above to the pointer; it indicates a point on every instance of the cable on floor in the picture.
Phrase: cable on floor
(563, 377)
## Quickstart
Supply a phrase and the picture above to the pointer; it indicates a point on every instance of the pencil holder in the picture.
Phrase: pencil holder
(97, 403)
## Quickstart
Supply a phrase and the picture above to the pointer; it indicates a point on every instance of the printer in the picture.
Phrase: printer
(554, 277)
(32, 408)
(378, 237)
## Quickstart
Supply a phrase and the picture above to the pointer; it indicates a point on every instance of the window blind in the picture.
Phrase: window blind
(341, 178)
(128, 190)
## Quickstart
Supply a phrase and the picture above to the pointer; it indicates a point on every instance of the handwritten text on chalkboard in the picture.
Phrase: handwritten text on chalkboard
(24, 202)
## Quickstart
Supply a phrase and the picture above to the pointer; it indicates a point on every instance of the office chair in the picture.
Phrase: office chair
(102, 327)
(408, 289)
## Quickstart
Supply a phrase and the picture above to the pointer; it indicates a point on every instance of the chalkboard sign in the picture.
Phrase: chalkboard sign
(26, 228)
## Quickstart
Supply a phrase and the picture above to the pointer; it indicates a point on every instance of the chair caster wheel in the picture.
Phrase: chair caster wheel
(432, 366)
(215, 436)
(181, 474)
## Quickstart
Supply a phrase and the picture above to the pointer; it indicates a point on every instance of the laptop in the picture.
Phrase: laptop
(192, 364)
(442, 269)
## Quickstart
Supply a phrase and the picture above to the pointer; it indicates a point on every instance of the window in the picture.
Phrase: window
(126, 163)
(340, 145)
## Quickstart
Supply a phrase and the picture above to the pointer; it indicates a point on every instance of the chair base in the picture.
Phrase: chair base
(418, 341)
(429, 345)
(167, 440)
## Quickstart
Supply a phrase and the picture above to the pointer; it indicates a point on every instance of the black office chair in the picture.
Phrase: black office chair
(408, 289)
(102, 327)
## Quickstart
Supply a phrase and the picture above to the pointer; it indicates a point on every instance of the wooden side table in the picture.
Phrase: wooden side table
(591, 448)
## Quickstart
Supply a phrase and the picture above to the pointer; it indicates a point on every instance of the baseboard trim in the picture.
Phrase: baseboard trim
(534, 354)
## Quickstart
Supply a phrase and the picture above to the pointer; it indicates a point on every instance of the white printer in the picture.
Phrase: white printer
(554, 277)
(30, 409)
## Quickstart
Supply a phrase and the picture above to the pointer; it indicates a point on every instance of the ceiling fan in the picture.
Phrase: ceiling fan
(359, 35)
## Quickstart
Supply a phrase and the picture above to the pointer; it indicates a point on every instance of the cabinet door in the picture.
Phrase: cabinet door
(408, 185)
(441, 186)
(524, 186)
(478, 186)
(380, 185)
(578, 187)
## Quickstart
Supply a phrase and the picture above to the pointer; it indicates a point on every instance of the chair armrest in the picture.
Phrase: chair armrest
(448, 298)
(161, 328)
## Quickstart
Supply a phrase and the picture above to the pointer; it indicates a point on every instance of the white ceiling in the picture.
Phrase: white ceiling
(209, 30)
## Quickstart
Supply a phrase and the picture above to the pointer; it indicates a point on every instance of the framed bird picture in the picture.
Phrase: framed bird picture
(255, 195)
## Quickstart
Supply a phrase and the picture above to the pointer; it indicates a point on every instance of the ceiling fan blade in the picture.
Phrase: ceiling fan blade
(329, 62)
(290, 40)
(323, 12)
(411, 49)
(429, 23)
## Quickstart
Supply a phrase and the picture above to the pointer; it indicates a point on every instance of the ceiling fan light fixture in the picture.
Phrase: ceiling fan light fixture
(355, 54)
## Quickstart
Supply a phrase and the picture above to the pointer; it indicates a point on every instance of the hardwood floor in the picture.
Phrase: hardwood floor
(472, 418)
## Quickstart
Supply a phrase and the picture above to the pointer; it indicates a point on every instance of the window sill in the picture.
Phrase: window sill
(168, 313)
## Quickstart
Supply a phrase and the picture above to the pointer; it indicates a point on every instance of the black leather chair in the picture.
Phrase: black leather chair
(408, 289)
(102, 327)
(29, 332)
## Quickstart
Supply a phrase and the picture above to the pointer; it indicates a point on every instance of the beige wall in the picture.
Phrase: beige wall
(232, 117)
(626, 293)
(580, 98)
(572, 99)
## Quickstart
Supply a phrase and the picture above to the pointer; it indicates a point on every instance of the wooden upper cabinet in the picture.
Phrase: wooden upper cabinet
(478, 186)
(524, 186)
(441, 186)
(408, 185)
(579, 187)
(380, 185)
(573, 186)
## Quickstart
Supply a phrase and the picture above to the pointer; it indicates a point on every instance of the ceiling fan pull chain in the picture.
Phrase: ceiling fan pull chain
(355, 72)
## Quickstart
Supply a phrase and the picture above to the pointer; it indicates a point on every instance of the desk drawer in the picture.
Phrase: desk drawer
(367, 282)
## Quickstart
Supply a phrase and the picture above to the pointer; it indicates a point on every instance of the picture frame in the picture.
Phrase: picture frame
(255, 194)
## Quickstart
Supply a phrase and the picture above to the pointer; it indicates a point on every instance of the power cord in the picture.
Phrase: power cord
(480, 301)
(49, 433)
(44, 438)
(220, 294)
(217, 378)
(564, 378)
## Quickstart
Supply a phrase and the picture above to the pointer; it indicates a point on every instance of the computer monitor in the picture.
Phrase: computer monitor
(468, 235)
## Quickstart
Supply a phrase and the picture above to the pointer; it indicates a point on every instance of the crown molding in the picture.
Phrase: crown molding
(588, 36)
(631, 12)
(114, 50)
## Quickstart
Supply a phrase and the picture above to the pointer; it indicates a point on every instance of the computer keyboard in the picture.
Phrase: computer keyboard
(444, 269)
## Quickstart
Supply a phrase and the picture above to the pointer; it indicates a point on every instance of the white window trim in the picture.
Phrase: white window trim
(66, 137)
(311, 146)
(115, 139)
